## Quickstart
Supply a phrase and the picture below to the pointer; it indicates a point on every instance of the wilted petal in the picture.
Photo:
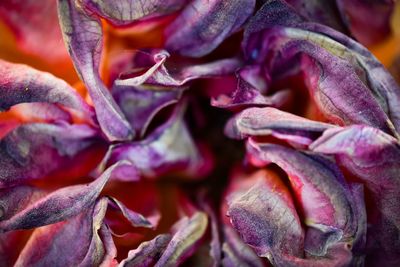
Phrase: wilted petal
(35, 150)
(345, 81)
(236, 253)
(368, 21)
(169, 147)
(182, 245)
(23, 84)
(204, 24)
(35, 27)
(374, 157)
(266, 218)
(318, 184)
(324, 12)
(83, 37)
(257, 122)
(160, 76)
(127, 11)
(148, 253)
(60, 205)
(81, 241)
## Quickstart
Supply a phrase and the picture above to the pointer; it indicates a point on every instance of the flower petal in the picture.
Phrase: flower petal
(266, 218)
(185, 240)
(58, 243)
(23, 84)
(266, 121)
(83, 37)
(204, 24)
(58, 206)
(148, 253)
(33, 151)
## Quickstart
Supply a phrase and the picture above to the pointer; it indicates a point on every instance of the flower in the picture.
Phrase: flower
(199, 133)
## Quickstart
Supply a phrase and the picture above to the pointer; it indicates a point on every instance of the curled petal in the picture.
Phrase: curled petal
(266, 218)
(185, 240)
(23, 84)
(236, 253)
(59, 242)
(170, 147)
(369, 22)
(148, 253)
(127, 11)
(60, 205)
(373, 156)
(254, 122)
(346, 82)
(33, 151)
(319, 187)
(83, 37)
(204, 24)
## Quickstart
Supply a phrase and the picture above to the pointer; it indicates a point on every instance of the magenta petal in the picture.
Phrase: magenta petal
(170, 147)
(266, 219)
(60, 205)
(34, 150)
(127, 11)
(23, 84)
(204, 24)
(186, 239)
(326, 200)
(267, 121)
(83, 37)
(81, 241)
(236, 253)
(148, 253)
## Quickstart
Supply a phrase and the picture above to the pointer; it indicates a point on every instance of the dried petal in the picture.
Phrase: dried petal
(204, 24)
(83, 37)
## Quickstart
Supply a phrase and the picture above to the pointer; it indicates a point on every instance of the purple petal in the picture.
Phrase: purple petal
(58, 243)
(60, 205)
(318, 184)
(266, 218)
(33, 151)
(83, 37)
(23, 84)
(204, 24)
(345, 81)
(148, 253)
(236, 253)
(254, 122)
(368, 21)
(374, 157)
(161, 76)
(185, 240)
(127, 11)
(169, 147)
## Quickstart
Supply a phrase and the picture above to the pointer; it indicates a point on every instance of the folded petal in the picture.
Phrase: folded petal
(185, 240)
(237, 253)
(258, 122)
(369, 22)
(33, 151)
(148, 253)
(127, 11)
(170, 147)
(204, 24)
(60, 205)
(266, 218)
(374, 157)
(58, 243)
(345, 81)
(319, 187)
(23, 84)
(83, 36)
